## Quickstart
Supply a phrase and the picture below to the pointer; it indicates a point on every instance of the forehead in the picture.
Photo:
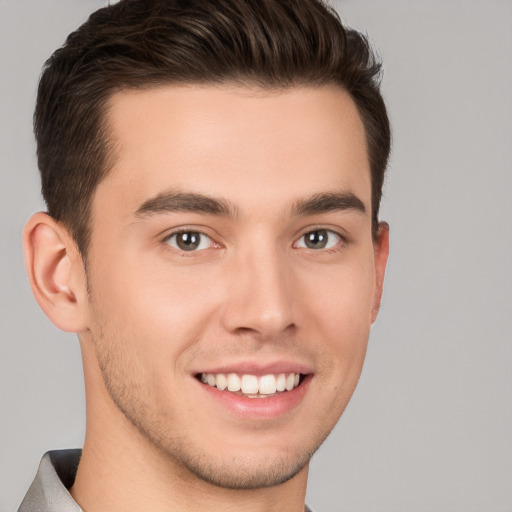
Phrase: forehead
(247, 145)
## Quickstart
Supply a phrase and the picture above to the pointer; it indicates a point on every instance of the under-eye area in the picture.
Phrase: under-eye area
(253, 386)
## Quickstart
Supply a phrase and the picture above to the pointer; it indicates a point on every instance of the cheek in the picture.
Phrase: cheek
(155, 310)
(341, 297)
(339, 306)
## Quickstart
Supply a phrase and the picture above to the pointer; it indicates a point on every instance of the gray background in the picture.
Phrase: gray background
(430, 425)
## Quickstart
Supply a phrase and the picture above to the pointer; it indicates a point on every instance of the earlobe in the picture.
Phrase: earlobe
(381, 250)
(56, 272)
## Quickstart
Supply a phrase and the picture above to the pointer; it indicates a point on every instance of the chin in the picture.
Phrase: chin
(246, 473)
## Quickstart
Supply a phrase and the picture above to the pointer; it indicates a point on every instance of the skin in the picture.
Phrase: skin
(150, 316)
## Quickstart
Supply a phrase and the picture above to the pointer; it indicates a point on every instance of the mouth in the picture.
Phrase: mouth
(253, 386)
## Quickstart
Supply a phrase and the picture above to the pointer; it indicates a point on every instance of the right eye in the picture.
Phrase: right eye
(189, 241)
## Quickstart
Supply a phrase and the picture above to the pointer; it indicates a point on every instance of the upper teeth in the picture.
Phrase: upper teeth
(252, 384)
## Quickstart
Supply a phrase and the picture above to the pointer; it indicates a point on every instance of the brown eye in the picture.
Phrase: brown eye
(319, 239)
(189, 241)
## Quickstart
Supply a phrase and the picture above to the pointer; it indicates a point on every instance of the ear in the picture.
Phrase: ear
(56, 272)
(381, 252)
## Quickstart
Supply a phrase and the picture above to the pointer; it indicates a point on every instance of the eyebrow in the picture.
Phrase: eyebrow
(173, 201)
(328, 202)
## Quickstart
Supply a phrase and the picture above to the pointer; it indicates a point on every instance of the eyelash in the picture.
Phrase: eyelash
(341, 240)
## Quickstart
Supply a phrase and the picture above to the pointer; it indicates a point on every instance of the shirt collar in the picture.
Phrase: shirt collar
(49, 490)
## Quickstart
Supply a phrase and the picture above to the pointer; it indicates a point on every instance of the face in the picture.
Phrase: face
(233, 276)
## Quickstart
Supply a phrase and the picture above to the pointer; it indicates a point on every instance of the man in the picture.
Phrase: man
(213, 172)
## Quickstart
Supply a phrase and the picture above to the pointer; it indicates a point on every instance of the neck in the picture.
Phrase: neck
(121, 469)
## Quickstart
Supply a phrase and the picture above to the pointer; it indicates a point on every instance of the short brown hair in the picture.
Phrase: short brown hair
(147, 43)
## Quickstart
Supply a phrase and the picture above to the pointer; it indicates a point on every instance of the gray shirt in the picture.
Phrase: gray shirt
(49, 490)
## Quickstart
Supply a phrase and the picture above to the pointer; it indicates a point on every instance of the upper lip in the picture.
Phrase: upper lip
(259, 368)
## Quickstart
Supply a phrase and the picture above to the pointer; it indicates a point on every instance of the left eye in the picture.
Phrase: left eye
(189, 241)
(318, 239)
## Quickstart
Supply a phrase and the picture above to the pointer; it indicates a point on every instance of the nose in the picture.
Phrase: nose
(260, 295)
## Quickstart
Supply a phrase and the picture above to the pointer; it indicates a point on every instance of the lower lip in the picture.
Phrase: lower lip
(260, 408)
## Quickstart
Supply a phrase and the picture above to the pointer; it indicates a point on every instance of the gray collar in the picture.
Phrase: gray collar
(49, 490)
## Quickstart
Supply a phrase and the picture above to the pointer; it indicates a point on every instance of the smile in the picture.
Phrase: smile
(252, 386)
